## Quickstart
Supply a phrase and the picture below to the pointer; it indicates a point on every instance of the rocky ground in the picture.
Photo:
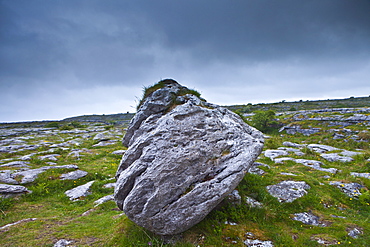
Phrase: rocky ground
(309, 187)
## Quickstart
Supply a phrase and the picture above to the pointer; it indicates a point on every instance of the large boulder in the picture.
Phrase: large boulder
(184, 157)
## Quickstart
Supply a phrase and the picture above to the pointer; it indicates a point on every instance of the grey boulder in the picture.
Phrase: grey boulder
(184, 157)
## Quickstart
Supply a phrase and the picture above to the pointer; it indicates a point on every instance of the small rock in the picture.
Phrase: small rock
(292, 144)
(119, 152)
(6, 176)
(74, 175)
(257, 243)
(52, 157)
(230, 223)
(104, 199)
(336, 157)
(80, 191)
(350, 189)
(16, 223)
(16, 164)
(109, 185)
(288, 174)
(354, 232)
(253, 203)
(31, 174)
(307, 218)
(27, 157)
(104, 143)
(272, 154)
(255, 170)
(104, 136)
(234, 197)
(288, 191)
(7, 190)
(62, 243)
(319, 148)
(362, 175)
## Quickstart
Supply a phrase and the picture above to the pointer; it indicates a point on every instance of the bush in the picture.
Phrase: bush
(52, 125)
(264, 120)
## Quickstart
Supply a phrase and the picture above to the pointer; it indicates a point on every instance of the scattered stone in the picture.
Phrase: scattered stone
(272, 154)
(16, 223)
(88, 212)
(336, 157)
(323, 241)
(288, 174)
(337, 216)
(230, 223)
(362, 175)
(319, 148)
(350, 189)
(16, 164)
(314, 164)
(182, 160)
(337, 136)
(74, 175)
(257, 243)
(62, 243)
(7, 190)
(288, 191)
(293, 145)
(255, 170)
(350, 153)
(80, 191)
(31, 174)
(119, 152)
(308, 218)
(293, 150)
(234, 197)
(104, 136)
(7, 177)
(52, 157)
(291, 130)
(104, 143)
(253, 203)
(109, 185)
(354, 232)
(104, 199)
(27, 157)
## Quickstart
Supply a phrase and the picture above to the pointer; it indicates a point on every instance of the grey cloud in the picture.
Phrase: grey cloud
(256, 48)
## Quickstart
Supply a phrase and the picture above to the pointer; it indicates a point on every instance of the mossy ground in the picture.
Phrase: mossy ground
(58, 217)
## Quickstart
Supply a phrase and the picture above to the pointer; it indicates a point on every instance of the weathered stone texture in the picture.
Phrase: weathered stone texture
(182, 160)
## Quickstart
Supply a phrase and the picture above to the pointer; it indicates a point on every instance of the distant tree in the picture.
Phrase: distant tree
(264, 120)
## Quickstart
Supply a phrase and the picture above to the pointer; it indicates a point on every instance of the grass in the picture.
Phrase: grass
(58, 217)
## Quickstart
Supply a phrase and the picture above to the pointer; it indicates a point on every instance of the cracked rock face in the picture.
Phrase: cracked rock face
(182, 160)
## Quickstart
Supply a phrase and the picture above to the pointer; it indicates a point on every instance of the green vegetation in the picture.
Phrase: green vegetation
(87, 225)
(149, 90)
(264, 121)
(351, 102)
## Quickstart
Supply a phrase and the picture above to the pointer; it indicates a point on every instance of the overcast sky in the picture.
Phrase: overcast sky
(63, 58)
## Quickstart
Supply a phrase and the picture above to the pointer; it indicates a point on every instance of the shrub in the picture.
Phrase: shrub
(264, 120)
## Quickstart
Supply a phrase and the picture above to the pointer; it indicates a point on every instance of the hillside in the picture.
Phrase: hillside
(352, 102)
(309, 187)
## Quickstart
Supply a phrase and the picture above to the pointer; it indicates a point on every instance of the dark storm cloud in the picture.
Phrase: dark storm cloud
(267, 49)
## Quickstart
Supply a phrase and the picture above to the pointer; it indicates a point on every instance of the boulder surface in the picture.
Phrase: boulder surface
(184, 157)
